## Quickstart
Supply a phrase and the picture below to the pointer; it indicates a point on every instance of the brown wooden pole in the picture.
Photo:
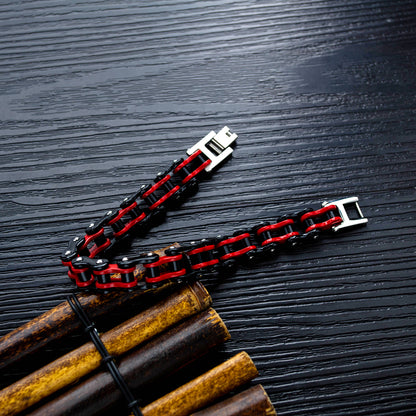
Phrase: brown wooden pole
(158, 358)
(205, 389)
(60, 321)
(251, 402)
(188, 301)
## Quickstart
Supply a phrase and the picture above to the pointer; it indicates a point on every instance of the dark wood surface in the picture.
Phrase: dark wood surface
(99, 96)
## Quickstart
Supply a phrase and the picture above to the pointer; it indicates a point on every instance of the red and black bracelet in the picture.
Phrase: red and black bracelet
(89, 267)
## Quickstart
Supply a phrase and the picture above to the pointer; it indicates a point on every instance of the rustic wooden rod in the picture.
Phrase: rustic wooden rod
(61, 321)
(188, 301)
(155, 360)
(251, 402)
(205, 389)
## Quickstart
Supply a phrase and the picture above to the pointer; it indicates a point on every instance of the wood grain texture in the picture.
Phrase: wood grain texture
(99, 96)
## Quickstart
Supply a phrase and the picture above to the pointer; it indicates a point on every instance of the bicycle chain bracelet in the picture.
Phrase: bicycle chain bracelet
(206, 257)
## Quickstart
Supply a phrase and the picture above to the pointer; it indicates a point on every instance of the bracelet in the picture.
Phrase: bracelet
(207, 257)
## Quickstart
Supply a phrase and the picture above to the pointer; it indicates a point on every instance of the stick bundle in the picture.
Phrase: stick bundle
(176, 330)
(31, 389)
(158, 358)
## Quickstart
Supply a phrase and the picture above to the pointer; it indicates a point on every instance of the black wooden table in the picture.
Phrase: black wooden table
(98, 96)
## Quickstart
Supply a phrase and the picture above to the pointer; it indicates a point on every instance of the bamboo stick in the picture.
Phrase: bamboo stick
(251, 402)
(205, 389)
(190, 300)
(60, 321)
(158, 358)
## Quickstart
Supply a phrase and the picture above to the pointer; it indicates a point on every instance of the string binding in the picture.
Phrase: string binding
(107, 359)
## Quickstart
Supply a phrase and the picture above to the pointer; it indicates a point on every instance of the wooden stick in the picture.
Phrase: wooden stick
(190, 300)
(61, 321)
(251, 402)
(158, 358)
(205, 389)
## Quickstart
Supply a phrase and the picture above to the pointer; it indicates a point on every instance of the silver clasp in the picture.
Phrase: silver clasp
(215, 146)
(352, 205)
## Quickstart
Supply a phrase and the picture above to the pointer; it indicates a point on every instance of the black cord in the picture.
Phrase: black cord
(107, 359)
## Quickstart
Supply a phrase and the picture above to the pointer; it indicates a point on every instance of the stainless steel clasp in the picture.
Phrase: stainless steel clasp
(215, 146)
(347, 208)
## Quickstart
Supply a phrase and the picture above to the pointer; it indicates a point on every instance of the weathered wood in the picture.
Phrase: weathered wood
(205, 389)
(158, 358)
(188, 301)
(61, 321)
(251, 402)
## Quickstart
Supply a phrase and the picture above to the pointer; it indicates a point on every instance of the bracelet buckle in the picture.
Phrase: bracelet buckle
(348, 207)
(215, 146)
